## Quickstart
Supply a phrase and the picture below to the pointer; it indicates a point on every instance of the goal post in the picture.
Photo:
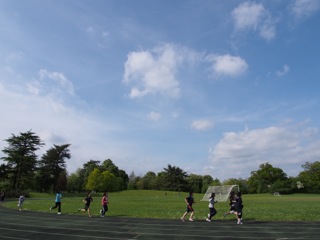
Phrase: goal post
(222, 192)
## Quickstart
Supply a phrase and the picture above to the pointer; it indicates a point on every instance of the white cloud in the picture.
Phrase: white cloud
(152, 72)
(285, 69)
(305, 8)
(227, 65)
(248, 15)
(252, 16)
(58, 78)
(202, 124)
(154, 116)
(268, 29)
(56, 123)
(284, 147)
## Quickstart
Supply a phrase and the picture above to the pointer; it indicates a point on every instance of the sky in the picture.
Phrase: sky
(212, 87)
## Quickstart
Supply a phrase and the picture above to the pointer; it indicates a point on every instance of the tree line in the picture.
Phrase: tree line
(24, 170)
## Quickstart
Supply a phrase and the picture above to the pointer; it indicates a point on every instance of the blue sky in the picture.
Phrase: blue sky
(213, 87)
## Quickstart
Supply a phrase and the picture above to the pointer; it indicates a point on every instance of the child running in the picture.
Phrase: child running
(212, 210)
(239, 207)
(231, 203)
(57, 202)
(87, 201)
(104, 203)
(189, 201)
(20, 202)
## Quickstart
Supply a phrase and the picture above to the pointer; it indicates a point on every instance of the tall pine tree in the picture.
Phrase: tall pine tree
(21, 159)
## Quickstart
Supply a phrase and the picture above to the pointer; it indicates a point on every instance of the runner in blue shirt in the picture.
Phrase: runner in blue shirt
(57, 202)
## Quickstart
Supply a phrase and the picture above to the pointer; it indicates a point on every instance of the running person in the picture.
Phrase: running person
(87, 201)
(189, 201)
(57, 202)
(239, 207)
(20, 202)
(232, 201)
(212, 210)
(104, 203)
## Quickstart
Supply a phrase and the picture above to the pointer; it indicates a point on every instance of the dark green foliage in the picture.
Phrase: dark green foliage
(148, 181)
(52, 168)
(206, 182)
(21, 159)
(242, 183)
(75, 182)
(262, 180)
(174, 179)
(23, 171)
(195, 182)
(122, 176)
(310, 177)
(133, 181)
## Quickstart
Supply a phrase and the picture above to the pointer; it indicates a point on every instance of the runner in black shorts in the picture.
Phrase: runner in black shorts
(189, 201)
(87, 202)
(232, 202)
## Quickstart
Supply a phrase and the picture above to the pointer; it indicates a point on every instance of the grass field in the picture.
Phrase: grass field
(170, 205)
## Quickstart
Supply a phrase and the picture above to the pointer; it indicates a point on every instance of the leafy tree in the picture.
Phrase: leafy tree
(102, 181)
(216, 182)
(310, 177)
(4, 182)
(108, 165)
(174, 179)
(160, 182)
(133, 180)
(52, 167)
(88, 167)
(122, 178)
(262, 180)
(109, 182)
(242, 183)
(195, 182)
(22, 159)
(283, 186)
(75, 182)
(206, 182)
(62, 180)
(148, 181)
(94, 180)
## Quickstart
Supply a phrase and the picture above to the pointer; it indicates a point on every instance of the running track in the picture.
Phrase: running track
(28, 225)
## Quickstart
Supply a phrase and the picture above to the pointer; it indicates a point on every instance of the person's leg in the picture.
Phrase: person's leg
(191, 216)
(55, 206)
(211, 213)
(184, 215)
(214, 212)
(59, 207)
(89, 214)
(239, 216)
(104, 210)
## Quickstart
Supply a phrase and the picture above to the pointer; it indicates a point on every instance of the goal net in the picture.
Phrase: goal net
(222, 192)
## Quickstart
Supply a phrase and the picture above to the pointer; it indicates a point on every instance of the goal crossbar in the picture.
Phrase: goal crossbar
(221, 192)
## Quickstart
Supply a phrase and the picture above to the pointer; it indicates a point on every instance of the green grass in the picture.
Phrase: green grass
(169, 205)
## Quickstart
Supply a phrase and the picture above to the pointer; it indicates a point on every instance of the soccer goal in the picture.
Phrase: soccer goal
(222, 192)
